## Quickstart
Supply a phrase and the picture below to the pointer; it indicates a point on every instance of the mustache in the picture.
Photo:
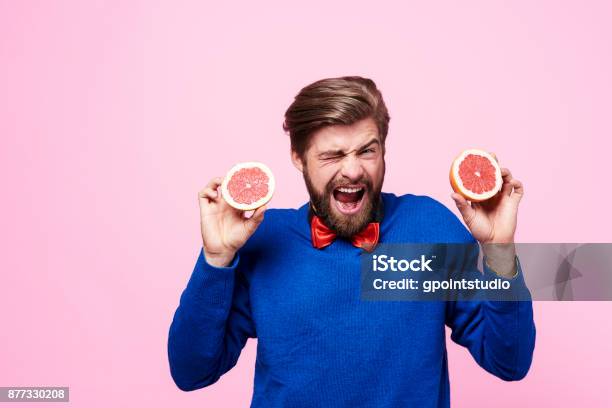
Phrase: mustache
(332, 185)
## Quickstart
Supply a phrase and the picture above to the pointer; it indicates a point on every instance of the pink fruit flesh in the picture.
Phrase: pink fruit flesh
(248, 185)
(477, 174)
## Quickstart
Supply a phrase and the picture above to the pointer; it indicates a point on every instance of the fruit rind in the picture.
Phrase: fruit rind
(259, 203)
(457, 184)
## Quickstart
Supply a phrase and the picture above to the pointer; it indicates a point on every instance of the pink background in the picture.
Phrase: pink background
(114, 114)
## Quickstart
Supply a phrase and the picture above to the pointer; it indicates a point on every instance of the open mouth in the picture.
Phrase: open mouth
(349, 199)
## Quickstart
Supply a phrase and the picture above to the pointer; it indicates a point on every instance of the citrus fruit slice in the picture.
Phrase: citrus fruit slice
(248, 186)
(476, 175)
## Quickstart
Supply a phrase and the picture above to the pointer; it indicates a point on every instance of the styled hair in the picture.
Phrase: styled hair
(334, 101)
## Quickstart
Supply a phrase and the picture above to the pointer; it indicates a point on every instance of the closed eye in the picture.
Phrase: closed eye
(330, 158)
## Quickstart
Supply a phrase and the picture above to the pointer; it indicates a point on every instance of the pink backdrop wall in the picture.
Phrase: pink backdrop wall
(114, 114)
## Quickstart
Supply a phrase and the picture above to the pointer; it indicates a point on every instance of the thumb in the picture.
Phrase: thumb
(254, 220)
(466, 210)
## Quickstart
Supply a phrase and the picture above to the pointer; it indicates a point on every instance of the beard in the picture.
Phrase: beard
(344, 225)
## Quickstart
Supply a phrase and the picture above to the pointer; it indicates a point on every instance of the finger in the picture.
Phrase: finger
(506, 179)
(519, 190)
(258, 214)
(466, 210)
(210, 191)
(256, 219)
(215, 182)
(494, 156)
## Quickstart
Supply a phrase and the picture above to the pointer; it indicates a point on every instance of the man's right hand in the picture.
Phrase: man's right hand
(224, 228)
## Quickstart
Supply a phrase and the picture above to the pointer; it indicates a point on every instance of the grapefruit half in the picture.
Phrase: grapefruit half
(248, 186)
(476, 175)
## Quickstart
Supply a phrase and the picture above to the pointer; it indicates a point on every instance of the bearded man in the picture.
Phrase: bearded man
(293, 280)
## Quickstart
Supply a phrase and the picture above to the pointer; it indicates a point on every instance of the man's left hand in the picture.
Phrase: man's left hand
(494, 222)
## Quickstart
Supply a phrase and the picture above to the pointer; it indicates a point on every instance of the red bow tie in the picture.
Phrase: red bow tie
(322, 236)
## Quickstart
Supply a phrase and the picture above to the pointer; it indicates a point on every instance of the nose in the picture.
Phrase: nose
(351, 168)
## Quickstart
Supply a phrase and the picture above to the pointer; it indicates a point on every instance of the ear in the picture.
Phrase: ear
(297, 161)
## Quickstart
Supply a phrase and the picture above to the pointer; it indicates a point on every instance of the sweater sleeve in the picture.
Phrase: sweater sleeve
(500, 335)
(210, 326)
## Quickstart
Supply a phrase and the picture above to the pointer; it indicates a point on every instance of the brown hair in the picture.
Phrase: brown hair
(334, 101)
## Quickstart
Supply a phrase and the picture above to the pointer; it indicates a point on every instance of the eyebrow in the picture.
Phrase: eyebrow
(340, 152)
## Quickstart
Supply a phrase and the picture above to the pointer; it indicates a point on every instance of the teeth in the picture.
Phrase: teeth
(349, 190)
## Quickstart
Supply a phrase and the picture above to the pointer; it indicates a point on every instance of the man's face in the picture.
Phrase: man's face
(344, 169)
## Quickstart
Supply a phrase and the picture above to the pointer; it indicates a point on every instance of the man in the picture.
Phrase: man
(292, 281)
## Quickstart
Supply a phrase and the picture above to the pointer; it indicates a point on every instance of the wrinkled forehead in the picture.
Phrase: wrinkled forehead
(344, 138)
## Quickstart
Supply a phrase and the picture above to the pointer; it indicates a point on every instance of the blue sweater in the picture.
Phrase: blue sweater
(318, 344)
